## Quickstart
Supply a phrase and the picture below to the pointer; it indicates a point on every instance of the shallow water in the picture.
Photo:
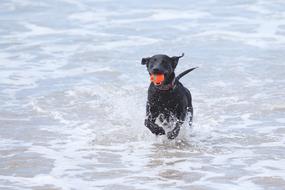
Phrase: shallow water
(73, 94)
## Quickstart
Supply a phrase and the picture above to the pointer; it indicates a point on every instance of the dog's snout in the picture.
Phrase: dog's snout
(155, 70)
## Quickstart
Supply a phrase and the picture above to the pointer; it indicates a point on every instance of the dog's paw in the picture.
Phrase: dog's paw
(173, 134)
(170, 135)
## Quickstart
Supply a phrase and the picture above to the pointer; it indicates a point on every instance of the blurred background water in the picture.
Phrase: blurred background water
(73, 93)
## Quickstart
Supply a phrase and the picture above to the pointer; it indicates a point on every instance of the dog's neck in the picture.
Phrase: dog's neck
(169, 83)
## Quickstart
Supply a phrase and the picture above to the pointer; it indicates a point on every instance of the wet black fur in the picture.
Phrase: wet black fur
(176, 101)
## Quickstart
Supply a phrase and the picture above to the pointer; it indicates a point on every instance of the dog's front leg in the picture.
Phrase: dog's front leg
(174, 133)
(151, 115)
(154, 128)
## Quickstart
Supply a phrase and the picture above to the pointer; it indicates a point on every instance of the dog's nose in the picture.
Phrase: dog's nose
(156, 70)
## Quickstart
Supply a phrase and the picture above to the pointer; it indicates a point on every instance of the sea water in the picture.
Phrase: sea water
(73, 94)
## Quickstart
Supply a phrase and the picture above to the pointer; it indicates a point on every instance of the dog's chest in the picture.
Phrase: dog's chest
(165, 103)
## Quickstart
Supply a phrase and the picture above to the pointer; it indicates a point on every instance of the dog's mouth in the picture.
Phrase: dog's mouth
(157, 78)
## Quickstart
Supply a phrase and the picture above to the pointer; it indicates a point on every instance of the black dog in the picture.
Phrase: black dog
(169, 100)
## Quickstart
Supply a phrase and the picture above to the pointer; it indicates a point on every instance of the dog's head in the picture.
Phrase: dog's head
(161, 64)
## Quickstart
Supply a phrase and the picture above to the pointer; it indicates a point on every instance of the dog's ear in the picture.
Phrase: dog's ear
(175, 60)
(145, 61)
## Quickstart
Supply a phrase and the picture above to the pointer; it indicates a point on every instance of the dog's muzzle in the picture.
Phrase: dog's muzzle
(157, 79)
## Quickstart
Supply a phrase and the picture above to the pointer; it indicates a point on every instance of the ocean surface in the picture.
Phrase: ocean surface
(73, 94)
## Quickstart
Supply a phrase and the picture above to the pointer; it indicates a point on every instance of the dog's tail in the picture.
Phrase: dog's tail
(185, 72)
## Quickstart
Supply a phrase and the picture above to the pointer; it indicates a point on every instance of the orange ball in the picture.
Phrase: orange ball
(157, 79)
